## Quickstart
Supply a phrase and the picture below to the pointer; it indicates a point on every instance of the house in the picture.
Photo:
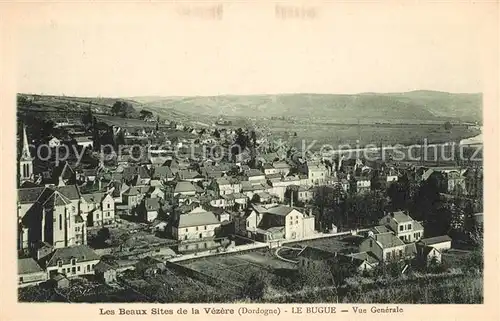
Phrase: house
(253, 175)
(363, 184)
(224, 216)
(29, 272)
(149, 209)
(54, 142)
(105, 272)
(61, 174)
(60, 281)
(441, 243)
(150, 266)
(184, 188)
(385, 247)
(282, 167)
(131, 197)
(271, 222)
(189, 175)
(226, 185)
(194, 226)
(428, 255)
(317, 174)
(72, 261)
(269, 169)
(404, 227)
(163, 173)
(157, 192)
(363, 261)
(99, 208)
(85, 142)
(311, 258)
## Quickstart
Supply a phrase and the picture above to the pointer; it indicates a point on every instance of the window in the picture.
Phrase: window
(97, 216)
(371, 243)
(388, 256)
(60, 222)
(109, 205)
(73, 261)
(400, 253)
(21, 279)
(297, 222)
(197, 228)
(409, 226)
(88, 267)
(186, 230)
(402, 238)
(78, 268)
(59, 263)
(388, 220)
(205, 227)
(401, 227)
(73, 270)
(201, 235)
(185, 237)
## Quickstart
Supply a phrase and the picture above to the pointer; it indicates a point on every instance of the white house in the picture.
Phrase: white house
(406, 228)
(72, 261)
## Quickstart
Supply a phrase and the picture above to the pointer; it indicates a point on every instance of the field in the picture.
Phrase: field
(238, 268)
(387, 134)
(171, 286)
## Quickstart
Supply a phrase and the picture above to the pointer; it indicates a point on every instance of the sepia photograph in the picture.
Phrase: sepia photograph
(193, 157)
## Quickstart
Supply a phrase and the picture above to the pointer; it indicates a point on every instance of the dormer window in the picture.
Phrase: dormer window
(73, 261)
(59, 263)
(409, 226)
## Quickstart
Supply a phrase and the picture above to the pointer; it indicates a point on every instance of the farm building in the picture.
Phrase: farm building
(440, 243)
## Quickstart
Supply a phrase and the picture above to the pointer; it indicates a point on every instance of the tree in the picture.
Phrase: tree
(104, 234)
(123, 109)
(255, 287)
(143, 114)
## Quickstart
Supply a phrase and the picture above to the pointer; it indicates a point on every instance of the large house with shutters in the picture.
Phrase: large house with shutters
(403, 226)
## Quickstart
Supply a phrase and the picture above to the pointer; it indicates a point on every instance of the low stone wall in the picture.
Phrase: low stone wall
(202, 277)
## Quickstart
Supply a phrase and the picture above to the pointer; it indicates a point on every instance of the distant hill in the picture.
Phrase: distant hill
(416, 105)
(369, 107)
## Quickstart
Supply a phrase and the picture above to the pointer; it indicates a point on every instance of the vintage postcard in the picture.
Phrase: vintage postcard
(249, 159)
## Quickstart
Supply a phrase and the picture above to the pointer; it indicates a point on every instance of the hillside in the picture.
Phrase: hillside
(420, 106)
(416, 105)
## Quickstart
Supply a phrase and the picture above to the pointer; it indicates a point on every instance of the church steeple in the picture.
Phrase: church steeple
(26, 155)
(26, 161)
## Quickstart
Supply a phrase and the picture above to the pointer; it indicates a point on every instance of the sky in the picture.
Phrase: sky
(152, 50)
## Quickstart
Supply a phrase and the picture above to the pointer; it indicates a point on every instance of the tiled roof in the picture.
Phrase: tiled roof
(28, 265)
(197, 219)
(388, 240)
(436, 240)
(29, 195)
(82, 253)
(401, 217)
(182, 187)
(94, 197)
